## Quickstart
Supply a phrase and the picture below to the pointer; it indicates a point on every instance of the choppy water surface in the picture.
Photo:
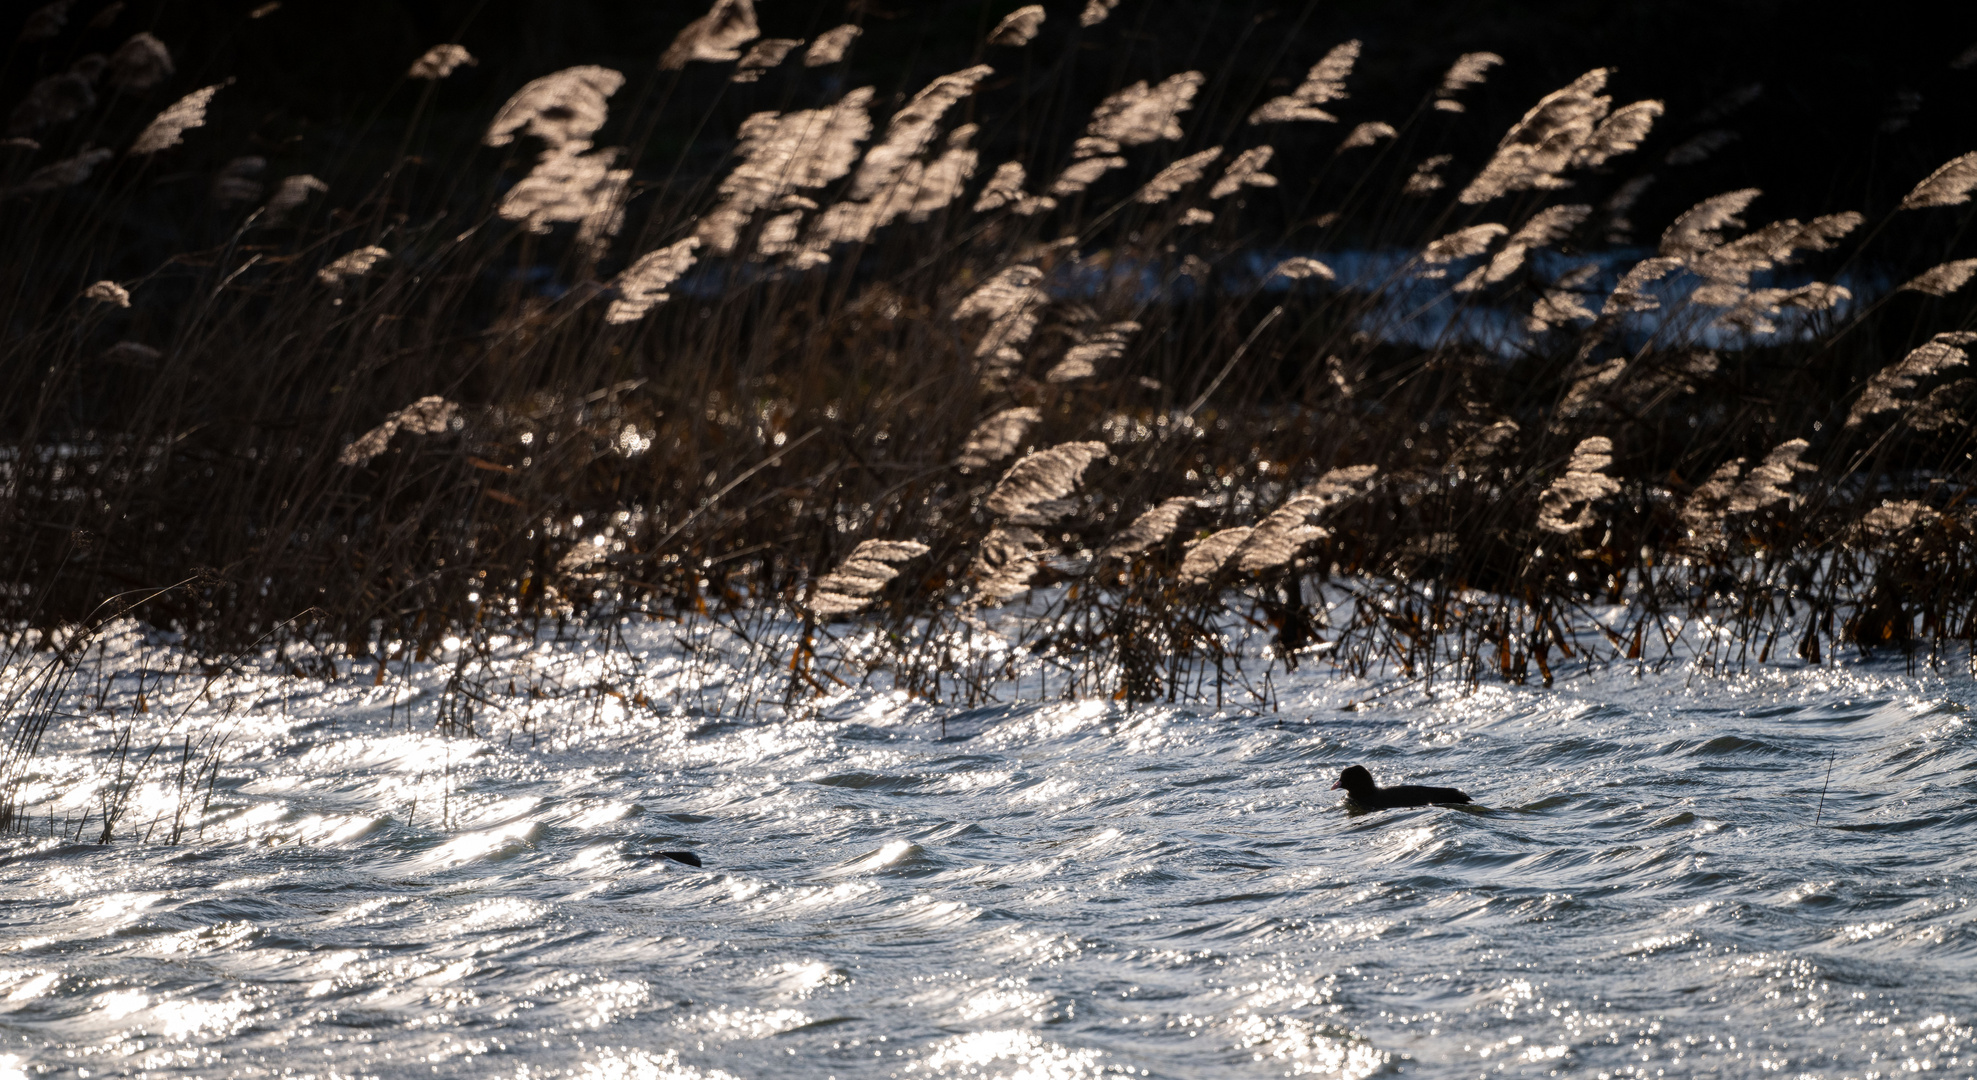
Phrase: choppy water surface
(1039, 891)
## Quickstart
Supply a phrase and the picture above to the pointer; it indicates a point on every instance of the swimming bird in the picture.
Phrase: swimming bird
(1360, 788)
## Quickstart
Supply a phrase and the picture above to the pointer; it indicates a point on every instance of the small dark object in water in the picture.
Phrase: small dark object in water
(691, 859)
(1360, 788)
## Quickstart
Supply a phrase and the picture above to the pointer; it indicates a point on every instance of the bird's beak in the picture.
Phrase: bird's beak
(1337, 784)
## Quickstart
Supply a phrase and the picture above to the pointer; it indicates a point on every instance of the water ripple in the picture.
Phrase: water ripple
(1047, 891)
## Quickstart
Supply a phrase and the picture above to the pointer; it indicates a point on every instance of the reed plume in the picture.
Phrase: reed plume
(235, 183)
(54, 100)
(46, 21)
(1588, 386)
(1583, 483)
(352, 265)
(1034, 490)
(830, 46)
(289, 196)
(431, 415)
(1018, 27)
(1151, 528)
(1208, 555)
(140, 64)
(1426, 179)
(643, 284)
(1933, 357)
(1005, 188)
(1285, 531)
(911, 131)
(1463, 243)
(1949, 185)
(1299, 267)
(1699, 229)
(1896, 516)
(1324, 83)
(440, 61)
(1557, 307)
(714, 37)
(1543, 229)
(857, 580)
(1485, 444)
(1245, 171)
(1764, 486)
(1096, 11)
(1141, 114)
(997, 437)
(1080, 175)
(782, 154)
(67, 172)
(1702, 514)
(1699, 149)
(1620, 133)
(1942, 279)
(1730, 491)
(168, 128)
(761, 56)
(563, 110)
(570, 186)
(1169, 181)
(1005, 562)
(1631, 293)
(133, 353)
(1726, 266)
(1010, 301)
(1569, 128)
(108, 292)
(1367, 134)
(1081, 360)
(1469, 69)
(917, 191)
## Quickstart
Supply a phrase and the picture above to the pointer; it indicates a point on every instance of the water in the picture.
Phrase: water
(1041, 891)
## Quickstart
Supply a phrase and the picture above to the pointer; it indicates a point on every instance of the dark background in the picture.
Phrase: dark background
(320, 85)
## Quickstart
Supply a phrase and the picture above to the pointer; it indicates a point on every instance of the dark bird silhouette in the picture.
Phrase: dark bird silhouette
(1360, 788)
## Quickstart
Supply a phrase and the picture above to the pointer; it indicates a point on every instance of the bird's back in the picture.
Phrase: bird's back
(1414, 795)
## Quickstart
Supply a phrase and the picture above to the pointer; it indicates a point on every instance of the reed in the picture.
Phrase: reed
(1406, 408)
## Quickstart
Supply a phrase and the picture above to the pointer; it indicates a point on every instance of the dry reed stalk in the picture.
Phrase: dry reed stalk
(676, 437)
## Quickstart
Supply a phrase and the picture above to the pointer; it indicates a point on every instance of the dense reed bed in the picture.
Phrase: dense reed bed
(1422, 394)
